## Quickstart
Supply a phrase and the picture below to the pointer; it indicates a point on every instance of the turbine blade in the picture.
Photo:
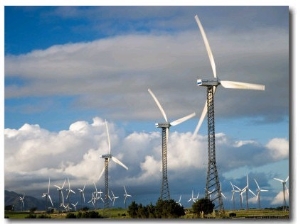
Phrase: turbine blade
(278, 180)
(204, 112)
(287, 179)
(257, 184)
(107, 137)
(119, 162)
(63, 184)
(101, 173)
(49, 185)
(50, 200)
(241, 85)
(251, 192)
(178, 121)
(158, 104)
(210, 55)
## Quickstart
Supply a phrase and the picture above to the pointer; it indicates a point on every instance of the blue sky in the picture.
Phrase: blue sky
(67, 69)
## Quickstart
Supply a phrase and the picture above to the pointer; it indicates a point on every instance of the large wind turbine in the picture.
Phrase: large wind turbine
(258, 193)
(212, 179)
(165, 193)
(47, 195)
(283, 190)
(107, 158)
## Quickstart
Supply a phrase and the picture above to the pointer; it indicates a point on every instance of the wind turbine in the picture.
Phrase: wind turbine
(232, 197)
(69, 191)
(258, 193)
(47, 195)
(74, 205)
(241, 195)
(107, 158)
(165, 193)
(22, 201)
(192, 198)
(60, 194)
(212, 180)
(247, 189)
(113, 197)
(284, 188)
(125, 196)
(178, 202)
(81, 191)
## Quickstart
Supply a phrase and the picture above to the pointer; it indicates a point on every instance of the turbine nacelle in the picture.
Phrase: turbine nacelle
(208, 82)
(162, 125)
(106, 156)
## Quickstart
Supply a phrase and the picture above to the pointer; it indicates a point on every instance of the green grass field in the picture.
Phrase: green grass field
(119, 213)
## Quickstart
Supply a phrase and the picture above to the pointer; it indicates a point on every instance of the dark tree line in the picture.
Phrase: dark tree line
(162, 209)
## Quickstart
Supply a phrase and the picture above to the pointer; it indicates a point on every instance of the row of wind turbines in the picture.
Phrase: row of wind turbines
(241, 191)
(66, 205)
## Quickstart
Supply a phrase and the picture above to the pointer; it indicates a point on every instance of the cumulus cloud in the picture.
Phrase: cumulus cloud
(32, 154)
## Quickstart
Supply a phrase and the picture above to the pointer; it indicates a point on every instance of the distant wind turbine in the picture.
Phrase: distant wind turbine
(284, 188)
(47, 195)
(69, 190)
(107, 158)
(233, 192)
(113, 197)
(258, 193)
(82, 198)
(178, 202)
(22, 201)
(60, 194)
(247, 189)
(212, 180)
(125, 196)
(165, 193)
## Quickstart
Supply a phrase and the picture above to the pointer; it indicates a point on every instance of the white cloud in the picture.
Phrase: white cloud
(33, 153)
(279, 198)
(279, 148)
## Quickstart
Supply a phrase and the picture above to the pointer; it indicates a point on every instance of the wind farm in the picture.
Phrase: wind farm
(63, 126)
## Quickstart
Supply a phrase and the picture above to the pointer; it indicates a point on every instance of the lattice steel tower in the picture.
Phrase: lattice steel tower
(212, 179)
(164, 193)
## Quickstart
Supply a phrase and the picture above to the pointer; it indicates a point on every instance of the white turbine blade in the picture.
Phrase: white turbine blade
(118, 162)
(286, 179)
(49, 185)
(204, 112)
(241, 85)
(158, 104)
(278, 180)
(50, 200)
(63, 184)
(101, 173)
(223, 195)
(107, 137)
(237, 187)
(251, 192)
(210, 55)
(257, 184)
(178, 121)
(56, 186)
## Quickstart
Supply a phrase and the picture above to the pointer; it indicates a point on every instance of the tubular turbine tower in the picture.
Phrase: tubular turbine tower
(212, 179)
